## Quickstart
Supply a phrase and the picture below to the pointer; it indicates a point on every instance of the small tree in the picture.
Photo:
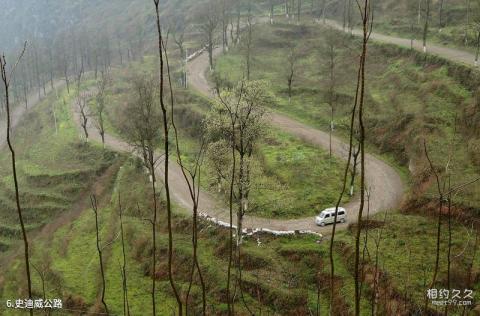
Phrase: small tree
(84, 112)
(425, 26)
(248, 42)
(94, 203)
(142, 127)
(292, 60)
(100, 105)
(331, 51)
(248, 100)
(209, 19)
(179, 39)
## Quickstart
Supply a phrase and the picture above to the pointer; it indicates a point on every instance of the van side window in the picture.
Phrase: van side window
(328, 215)
(341, 213)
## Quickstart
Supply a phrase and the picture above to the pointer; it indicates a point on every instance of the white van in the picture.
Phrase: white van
(327, 216)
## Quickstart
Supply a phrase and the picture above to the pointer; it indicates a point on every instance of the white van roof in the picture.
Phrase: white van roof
(332, 210)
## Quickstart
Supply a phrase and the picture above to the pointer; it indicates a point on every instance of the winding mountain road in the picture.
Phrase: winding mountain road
(385, 184)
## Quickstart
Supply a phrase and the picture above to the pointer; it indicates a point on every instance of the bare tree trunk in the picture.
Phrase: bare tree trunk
(299, 10)
(193, 183)
(249, 43)
(93, 200)
(344, 187)
(467, 23)
(6, 83)
(353, 173)
(449, 248)
(439, 222)
(166, 162)
(366, 16)
(419, 12)
(441, 22)
(425, 27)
(477, 50)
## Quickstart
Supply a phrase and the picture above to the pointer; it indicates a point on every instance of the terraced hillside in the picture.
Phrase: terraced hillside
(54, 168)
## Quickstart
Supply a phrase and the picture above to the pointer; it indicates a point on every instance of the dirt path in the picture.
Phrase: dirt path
(385, 184)
(435, 49)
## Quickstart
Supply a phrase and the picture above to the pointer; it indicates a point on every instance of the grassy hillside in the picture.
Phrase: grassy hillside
(280, 275)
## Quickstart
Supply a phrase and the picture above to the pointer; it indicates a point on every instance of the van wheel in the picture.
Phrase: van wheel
(322, 224)
(342, 220)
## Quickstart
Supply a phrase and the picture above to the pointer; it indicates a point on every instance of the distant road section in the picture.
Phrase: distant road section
(452, 54)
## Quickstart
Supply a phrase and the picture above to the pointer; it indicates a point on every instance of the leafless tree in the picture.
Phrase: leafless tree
(299, 10)
(445, 193)
(248, 42)
(192, 178)
(332, 55)
(63, 57)
(179, 39)
(94, 204)
(166, 145)
(292, 61)
(425, 26)
(353, 169)
(441, 21)
(100, 104)
(84, 111)
(142, 128)
(272, 9)
(467, 22)
(367, 23)
(225, 18)
(6, 77)
(209, 19)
